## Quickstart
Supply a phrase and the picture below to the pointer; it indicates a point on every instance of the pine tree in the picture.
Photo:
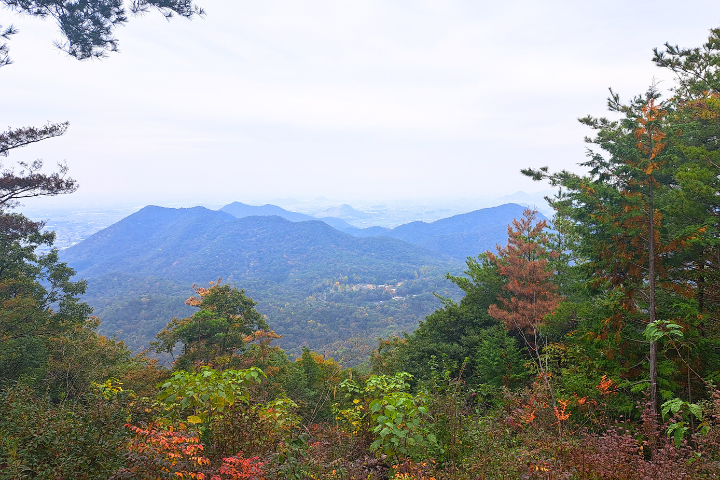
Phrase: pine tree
(87, 27)
(618, 208)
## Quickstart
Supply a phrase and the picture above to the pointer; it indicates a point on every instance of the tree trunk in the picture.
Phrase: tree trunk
(651, 309)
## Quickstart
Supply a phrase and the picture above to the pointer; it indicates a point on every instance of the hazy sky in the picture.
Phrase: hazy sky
(344, 98)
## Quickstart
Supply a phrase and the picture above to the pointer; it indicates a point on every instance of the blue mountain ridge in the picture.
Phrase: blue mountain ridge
(459, 236)
(197, 244)
(242, 210)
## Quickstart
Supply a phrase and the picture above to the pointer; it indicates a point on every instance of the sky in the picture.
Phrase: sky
(347, 99)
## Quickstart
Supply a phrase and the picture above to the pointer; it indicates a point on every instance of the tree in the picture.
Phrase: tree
(695, 206)
(88, 26)
(4, 50)
(216, 332)
(529, 294)
(29, 182)
(696, 68)
(634, 256)
(38, 300)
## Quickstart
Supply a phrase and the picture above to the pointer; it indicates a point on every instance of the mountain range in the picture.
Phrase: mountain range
(459, 236)
(196, 244)
(318, 285)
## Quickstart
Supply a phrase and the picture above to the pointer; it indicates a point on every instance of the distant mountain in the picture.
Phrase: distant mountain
(305, 276)
(531, 200)
(241, 210)
(459, 236)
(344, 211)
(197, 245)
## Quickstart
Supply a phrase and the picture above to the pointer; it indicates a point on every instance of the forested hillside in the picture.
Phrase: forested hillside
(141, 270)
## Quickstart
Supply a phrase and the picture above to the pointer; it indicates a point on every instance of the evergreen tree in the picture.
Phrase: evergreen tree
(695, 206)
(88, 26)
(636, 254)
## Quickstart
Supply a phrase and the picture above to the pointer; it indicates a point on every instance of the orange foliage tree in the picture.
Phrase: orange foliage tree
(158, 453)
(529, 293)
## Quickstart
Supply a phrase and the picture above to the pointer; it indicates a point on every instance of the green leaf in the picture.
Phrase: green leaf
(679, 434)
(640, 387)
(652, 332)
(695, 410)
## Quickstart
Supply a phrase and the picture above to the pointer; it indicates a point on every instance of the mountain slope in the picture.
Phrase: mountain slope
(305, 276)
(196, 245)
(459, 236)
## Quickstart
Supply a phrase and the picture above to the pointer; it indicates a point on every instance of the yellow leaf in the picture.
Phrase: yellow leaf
(194, 419)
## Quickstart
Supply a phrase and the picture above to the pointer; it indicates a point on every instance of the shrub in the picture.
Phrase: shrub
(163, 453)
(81, 439)
(254, 429)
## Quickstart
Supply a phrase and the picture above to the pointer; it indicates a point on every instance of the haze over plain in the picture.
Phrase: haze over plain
(371, 99)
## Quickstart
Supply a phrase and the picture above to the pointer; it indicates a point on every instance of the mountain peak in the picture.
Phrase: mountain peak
(343, 211)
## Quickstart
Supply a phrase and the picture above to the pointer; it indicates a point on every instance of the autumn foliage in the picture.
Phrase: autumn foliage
(155, 453)
(529, 293)
(158, 453)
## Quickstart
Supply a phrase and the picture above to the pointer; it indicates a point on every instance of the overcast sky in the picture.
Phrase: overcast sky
(344, 98)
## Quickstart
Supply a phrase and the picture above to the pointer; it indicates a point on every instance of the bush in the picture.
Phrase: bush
(81, 439)
(254, 429)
